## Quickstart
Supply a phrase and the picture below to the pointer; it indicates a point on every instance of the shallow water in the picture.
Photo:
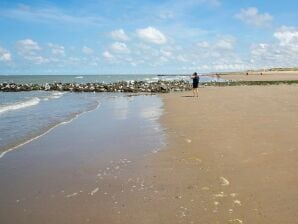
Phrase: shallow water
(75, 171)
(25, 115)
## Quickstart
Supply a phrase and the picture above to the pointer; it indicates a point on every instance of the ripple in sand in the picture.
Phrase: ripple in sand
(239, 221)
(205, 188)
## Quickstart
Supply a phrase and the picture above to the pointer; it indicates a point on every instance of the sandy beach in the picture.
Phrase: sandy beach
(266, 76)
(230, 157)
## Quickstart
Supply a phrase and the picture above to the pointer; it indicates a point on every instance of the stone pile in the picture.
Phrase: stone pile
(123, 86)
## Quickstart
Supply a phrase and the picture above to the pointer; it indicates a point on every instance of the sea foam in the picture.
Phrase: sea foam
(19, 105)
(55, 95)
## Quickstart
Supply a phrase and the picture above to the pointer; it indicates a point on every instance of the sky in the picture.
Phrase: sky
(146, 36)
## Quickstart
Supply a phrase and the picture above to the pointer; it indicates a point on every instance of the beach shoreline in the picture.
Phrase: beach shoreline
(228, 157)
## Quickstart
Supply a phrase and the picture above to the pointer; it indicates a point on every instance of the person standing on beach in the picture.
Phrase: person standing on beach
(195, 84)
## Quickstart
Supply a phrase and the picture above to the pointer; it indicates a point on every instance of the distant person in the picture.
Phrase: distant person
(195, 84)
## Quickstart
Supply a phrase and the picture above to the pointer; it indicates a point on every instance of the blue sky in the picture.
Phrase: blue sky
(146, 37)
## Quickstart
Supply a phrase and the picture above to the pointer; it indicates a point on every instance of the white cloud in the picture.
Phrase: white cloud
(119, 35)
(119, 47)
(287, 36)
(225, 44)
(56, 49)
(49, 14)
(166, 53)
(5, 55)
(28, 49)
(203, 44)
(37, 59)
(282, 53)
(252, 16)
(87, 50)
(152, 35)
(215, 48)
(181, 58)
(107, 55)
(27, 46)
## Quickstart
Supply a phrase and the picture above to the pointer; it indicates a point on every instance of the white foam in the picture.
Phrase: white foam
(79, 77)
(19, 105)
(55, 95)
(49, 130)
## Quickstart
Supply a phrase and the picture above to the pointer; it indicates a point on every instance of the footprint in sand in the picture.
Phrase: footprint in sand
(224, 181)
(188, 140)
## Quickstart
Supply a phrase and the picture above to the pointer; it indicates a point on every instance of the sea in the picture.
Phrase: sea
(26, 116)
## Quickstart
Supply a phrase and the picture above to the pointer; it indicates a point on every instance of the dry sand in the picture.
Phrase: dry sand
(266, 76)
(231, 158)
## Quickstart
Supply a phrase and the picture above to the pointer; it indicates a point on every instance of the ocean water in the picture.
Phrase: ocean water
(42, 79)
(24, 116)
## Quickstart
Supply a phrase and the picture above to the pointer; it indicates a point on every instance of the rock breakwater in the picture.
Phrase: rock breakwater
(122, 86)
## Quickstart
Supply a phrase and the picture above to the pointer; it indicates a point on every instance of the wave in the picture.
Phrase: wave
(55, 95)
(69, 120)
(79, 77)
(19, 105)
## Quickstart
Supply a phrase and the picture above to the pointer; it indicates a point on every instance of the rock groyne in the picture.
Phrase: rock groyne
(122, 86)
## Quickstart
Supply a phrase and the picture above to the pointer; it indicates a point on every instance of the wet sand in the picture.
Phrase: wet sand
(266, 76)
(231, 157)
(83, 171)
